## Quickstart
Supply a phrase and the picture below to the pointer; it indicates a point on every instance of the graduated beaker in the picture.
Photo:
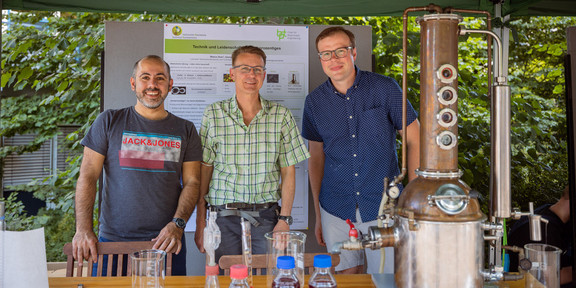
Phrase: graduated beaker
(148, 268)
(285, 243)
(545, 264)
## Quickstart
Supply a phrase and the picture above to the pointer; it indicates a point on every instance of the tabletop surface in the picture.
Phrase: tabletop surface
(344, 281)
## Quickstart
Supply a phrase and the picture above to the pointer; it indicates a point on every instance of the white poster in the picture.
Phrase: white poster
(199, 56)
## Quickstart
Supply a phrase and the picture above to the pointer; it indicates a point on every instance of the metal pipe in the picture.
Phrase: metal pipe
(2, 217)
(500, 194)
(534, 224)
(500, 164)
(383, 202)
(336, 248)
(430, 8)
(380, 223)
(512, 277)
(381, 237)
(492, 275)
(500, 78)
(488, 40)
(438, 92)
(500, 136)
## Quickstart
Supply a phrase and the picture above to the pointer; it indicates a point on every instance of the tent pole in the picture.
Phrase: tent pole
(504, 34)
(570, 74)
(1, 137)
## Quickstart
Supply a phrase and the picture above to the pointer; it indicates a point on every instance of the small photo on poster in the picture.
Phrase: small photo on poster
(227, 78)
(178, 90)
(272, 78)
(293, 78)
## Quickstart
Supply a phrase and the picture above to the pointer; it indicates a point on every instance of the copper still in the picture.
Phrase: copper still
(438, 231)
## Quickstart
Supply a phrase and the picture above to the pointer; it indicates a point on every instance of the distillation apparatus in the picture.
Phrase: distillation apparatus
(439, 231)
(212, 238)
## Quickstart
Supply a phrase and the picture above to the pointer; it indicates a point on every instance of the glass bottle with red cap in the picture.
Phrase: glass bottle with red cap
(212, 272)
(239, 275)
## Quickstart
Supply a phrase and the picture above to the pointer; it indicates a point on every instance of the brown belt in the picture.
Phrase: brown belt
(246, 206)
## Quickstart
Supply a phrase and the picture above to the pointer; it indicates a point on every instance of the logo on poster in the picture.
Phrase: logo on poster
(281, 34)
(176, 30)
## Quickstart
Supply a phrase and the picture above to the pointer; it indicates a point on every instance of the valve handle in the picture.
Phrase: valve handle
(353, 232)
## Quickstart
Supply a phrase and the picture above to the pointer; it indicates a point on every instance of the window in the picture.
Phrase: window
(21, 169)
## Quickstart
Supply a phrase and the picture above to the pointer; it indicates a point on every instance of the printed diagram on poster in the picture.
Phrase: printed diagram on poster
(200, 58)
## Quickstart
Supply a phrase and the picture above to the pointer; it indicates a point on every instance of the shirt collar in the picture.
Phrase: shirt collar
(355, 84)
(235, 109)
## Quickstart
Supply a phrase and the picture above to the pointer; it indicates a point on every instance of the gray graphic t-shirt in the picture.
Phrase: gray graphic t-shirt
(143, 170)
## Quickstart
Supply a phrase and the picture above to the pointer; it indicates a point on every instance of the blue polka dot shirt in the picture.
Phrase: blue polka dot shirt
(358, 131)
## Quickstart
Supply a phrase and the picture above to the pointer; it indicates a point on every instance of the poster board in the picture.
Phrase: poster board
(200, 59)
(126, 42)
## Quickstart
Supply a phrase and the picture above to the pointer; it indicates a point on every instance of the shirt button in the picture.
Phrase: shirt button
(357, 193)
(350, 116)
(356, 174)
(353, 136)
(354, 155)
(347, 98)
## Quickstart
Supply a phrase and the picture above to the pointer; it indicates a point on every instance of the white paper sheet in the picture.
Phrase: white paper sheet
(23, 259)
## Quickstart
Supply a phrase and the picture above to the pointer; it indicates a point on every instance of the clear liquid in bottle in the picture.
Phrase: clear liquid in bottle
(322, 276)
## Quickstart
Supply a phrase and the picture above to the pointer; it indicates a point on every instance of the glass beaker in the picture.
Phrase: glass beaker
(545, 265)
(285, 243)
(148, 268)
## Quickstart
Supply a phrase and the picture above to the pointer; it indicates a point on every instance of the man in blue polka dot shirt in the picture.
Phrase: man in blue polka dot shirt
(351, 122)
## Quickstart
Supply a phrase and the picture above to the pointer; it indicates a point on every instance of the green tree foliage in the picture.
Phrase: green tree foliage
(51, 77)
(538, 138)
(539, 133)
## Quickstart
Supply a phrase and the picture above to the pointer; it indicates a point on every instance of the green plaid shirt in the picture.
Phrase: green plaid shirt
(247, 159)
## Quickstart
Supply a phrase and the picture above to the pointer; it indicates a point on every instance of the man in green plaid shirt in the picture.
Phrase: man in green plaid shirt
(250, 146)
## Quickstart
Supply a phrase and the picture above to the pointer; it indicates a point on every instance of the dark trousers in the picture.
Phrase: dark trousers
(231, 231)
(178, 261)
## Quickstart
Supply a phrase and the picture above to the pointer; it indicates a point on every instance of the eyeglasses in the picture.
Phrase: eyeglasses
(338, 53)
(245, 69)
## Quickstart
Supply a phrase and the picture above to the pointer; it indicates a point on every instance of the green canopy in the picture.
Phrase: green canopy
(298, 8)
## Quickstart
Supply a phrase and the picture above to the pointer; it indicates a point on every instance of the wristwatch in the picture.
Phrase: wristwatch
(287, 219)
(180, 223)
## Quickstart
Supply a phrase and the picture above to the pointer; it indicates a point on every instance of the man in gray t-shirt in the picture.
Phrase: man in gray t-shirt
(151, 163)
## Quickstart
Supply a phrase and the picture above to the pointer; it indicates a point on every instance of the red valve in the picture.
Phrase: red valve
(353, 232)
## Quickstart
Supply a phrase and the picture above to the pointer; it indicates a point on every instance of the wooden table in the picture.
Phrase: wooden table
(344, 281)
